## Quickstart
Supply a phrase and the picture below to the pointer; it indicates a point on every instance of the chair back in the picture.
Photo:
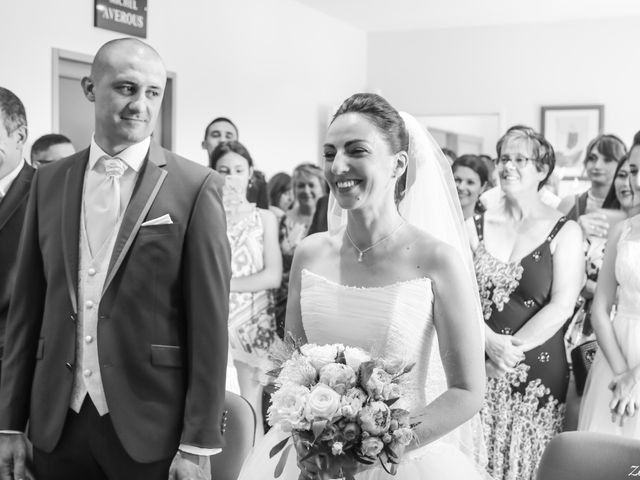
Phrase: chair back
(239, 436)
(589, 456)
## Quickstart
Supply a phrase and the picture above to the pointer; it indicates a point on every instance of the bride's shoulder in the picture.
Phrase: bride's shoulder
(431, 254)
(318, 242)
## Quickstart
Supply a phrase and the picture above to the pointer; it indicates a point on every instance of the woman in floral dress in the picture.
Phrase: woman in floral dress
(529, 265)
(256, 269)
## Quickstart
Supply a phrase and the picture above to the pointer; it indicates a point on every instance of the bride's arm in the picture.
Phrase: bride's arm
(457, 325)
(293, 318)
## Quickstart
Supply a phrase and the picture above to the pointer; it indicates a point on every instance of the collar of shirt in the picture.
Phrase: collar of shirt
(133, 155)
(7, 180)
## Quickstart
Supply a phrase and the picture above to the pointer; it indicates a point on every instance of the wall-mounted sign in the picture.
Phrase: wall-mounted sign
(125, 16)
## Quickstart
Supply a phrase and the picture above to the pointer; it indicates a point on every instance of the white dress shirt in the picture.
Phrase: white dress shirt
(7, 180)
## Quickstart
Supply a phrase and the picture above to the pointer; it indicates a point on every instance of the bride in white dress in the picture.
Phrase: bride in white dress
(382, 283)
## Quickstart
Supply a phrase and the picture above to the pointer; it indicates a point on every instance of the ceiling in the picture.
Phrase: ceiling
(391, 15)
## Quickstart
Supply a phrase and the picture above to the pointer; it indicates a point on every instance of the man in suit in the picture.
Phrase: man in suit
(15, 179)
(117, 333)
(50, 148)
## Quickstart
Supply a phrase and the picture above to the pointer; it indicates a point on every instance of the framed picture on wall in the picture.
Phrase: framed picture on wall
(570, 129)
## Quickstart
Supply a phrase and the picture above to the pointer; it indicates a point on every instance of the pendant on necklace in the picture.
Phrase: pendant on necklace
(360, 257)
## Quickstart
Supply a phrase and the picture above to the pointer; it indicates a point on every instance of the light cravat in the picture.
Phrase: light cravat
(103, 203)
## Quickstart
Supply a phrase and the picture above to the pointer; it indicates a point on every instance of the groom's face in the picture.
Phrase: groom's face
(127, 89)
(359, 165)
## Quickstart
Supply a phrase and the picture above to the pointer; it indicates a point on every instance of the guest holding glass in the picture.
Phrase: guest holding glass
(529, 267)
(256, 268)
(308, 186)
(471, 176)
(612, 394)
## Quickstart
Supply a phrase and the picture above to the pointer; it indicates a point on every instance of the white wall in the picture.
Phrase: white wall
(513, 70)
(273, 66)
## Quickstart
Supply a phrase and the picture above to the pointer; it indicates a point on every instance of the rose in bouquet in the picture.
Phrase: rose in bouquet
(339, 404)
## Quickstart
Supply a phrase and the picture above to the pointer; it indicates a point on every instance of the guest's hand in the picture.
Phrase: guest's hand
(594, 224)
(504, 350)
(187, 466)
(13, 454)
(626, 398)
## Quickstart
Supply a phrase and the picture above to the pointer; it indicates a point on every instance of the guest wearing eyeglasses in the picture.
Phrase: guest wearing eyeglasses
(529, 265)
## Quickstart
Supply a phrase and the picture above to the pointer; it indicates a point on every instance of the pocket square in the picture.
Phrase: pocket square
(163, 220)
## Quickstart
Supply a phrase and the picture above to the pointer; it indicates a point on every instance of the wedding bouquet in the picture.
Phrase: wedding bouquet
(338, 404)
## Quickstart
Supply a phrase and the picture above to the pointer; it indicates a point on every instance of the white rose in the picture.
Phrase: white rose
(287, 407)
(403, 436)
(320, 355)
(354, 357)
(377, 381)
(371, 447)
(375, 418)
(297, 370)
(323, 403)
(391, 391)
(338, 376)
(336, 448)
(352, 402)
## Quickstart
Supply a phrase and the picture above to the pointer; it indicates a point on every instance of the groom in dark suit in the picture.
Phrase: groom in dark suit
(15, 179)
(116, 342)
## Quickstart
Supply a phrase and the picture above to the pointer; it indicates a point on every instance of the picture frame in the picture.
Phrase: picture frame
(569, 129)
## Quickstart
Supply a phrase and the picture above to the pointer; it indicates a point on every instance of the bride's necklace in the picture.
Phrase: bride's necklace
(386, 237)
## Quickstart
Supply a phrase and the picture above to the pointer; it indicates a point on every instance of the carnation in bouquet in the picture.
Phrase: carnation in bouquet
(339, 404)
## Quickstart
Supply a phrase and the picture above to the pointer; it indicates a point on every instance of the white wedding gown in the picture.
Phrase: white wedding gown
(594, 411)
(395, 321)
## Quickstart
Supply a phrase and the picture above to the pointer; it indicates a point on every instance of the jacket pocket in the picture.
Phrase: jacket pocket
(166, 356)
(40, 350)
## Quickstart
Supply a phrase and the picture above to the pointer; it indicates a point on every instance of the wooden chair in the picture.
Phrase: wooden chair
(590, 456)
(239, 435)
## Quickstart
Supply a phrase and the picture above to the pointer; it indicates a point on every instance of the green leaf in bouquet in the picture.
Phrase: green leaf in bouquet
(282, 462)
(322, 462)
(275, 372)
(393, 468)
(278, 446)
(365, 371)
(318, 427)
(391, 401)
(365, 460)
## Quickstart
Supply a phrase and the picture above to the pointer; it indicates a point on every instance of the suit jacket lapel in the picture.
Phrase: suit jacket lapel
(16, 194)
(149, 181)
(71, 211)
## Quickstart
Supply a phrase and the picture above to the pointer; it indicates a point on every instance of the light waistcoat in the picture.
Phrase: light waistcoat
(92, 273)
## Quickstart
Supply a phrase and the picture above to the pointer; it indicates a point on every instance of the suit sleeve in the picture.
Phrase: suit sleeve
(207, 273)
(23, 323)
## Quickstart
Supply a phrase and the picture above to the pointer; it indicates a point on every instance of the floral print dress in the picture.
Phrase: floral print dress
(251, 319)
(523, 410)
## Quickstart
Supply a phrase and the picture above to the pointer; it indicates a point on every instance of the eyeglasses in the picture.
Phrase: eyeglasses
(519, 162)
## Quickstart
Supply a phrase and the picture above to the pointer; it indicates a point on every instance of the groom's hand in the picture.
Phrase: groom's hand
(13, 453)
(187, 466)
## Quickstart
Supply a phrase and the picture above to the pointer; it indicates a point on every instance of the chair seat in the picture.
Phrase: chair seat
(239, 436)
(589, 456)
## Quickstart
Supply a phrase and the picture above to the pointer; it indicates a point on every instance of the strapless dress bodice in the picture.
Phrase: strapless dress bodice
(393, 321)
